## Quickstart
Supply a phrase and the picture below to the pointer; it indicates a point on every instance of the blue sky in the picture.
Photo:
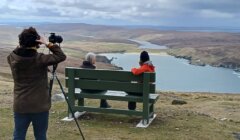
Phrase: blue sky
(124, 12)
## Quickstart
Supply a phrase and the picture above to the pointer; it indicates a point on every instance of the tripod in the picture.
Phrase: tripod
(53, 72)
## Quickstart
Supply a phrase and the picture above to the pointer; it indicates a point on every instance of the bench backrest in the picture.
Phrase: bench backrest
(109, 80)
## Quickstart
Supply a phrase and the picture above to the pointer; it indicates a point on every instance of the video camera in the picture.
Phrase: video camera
(55, 38)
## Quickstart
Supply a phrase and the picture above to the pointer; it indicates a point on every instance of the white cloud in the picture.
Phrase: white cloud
(135, 11)
(215, 14)
(3, 3)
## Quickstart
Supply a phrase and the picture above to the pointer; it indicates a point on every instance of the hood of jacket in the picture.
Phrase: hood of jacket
(150, 65)
(23, 57)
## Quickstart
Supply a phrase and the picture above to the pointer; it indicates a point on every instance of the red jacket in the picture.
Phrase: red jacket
(146, 67)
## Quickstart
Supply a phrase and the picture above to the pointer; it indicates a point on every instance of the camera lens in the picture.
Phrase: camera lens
(55, 38)
(59, 39)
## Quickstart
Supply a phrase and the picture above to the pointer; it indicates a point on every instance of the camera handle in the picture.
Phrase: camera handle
(53, 72)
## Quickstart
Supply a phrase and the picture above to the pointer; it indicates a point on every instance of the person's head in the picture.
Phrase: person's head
(90, 57)
(28, 37)
(144, 57)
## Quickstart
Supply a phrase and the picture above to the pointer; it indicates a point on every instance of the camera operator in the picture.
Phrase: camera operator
(32, 100)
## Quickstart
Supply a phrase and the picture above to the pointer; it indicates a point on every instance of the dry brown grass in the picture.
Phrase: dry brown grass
(195, 120)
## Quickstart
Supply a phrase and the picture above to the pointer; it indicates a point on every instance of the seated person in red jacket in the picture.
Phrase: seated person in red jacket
(145, 66)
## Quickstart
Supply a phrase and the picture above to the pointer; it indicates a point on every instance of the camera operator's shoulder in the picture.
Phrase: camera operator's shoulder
(40, 55)
(43, 59)
(57, 56)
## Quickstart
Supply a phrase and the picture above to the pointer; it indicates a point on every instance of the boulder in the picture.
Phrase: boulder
(178, 102)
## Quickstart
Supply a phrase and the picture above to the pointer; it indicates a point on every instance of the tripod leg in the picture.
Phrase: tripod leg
(51, 84)
(70, 108)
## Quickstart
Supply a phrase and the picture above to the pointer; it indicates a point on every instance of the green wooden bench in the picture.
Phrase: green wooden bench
(117, 83)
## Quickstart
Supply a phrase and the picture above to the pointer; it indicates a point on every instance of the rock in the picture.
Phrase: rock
(104, 59)
(184, 57)
(237, 70)
(58, 97)
(197, 63)
(230, 120)
(178, 102)
(223, 119)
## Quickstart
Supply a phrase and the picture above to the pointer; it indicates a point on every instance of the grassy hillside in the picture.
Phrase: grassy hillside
(206, 116)
(227, 57)
(216, 49)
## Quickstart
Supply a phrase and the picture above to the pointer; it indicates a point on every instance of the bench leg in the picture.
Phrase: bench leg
(77, 114)
(146, 112)
(143, 123)
(151, 110)
(69, 113)
(80, 103)
(148, 116)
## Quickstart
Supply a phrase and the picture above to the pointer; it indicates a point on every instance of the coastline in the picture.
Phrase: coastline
(168, 52)
(198, 62)
(151, 53)
(217, 49)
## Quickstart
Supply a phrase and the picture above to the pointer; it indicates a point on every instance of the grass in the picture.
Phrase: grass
(101, 47)
(172, 122)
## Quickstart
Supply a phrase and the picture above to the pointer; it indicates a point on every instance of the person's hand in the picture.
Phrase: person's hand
(41, 40)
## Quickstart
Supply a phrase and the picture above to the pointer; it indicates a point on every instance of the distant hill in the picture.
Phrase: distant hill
(214, 48)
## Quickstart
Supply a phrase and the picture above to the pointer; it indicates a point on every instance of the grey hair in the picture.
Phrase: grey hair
(90, 56)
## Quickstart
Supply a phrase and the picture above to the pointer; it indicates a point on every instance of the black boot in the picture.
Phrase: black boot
(104, 104)
(131, 105)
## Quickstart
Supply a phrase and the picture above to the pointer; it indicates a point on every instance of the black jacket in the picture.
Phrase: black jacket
(87, 65)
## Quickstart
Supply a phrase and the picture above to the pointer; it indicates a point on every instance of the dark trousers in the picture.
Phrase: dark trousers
(39, 122)
(132, 105)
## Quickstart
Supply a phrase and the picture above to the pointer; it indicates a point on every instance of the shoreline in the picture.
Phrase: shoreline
(198, 62)
(150, 53)
(193, 61)
(220, 89)
(189, 58)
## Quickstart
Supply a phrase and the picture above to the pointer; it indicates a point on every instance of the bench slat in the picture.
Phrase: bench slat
(122, 97)
(111, 85)
(110, 75)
